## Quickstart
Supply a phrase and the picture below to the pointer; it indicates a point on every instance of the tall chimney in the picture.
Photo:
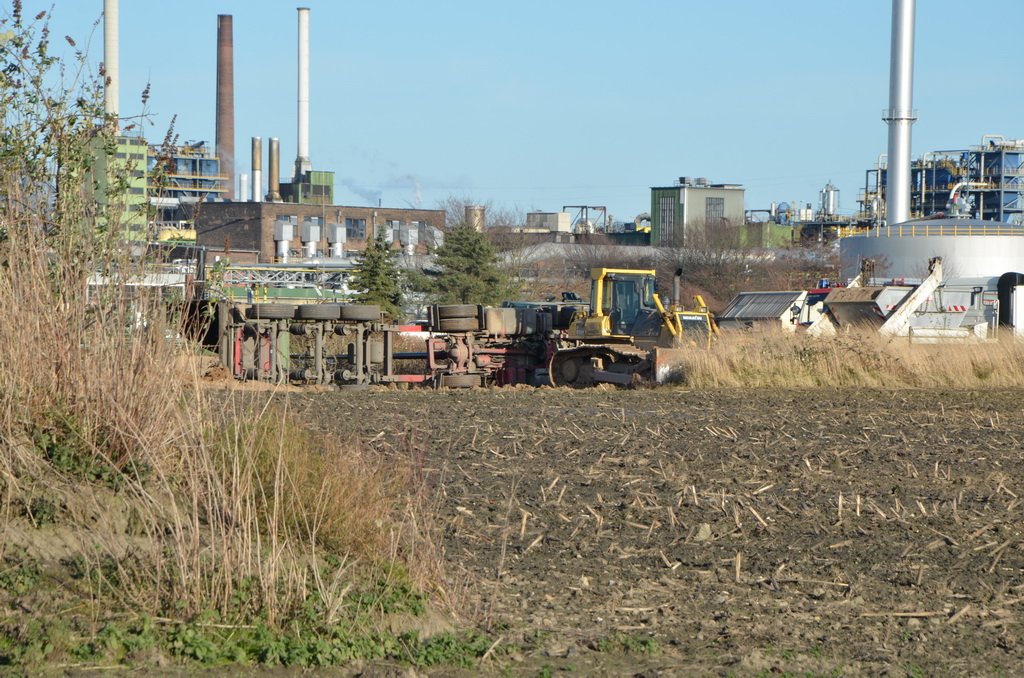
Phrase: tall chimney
(900, 115)
(111, 93)
(274, 180)
(257, 169)
(302, 164)
(226, 103)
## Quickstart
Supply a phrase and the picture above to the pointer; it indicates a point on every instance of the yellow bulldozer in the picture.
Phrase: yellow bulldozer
(628, 335)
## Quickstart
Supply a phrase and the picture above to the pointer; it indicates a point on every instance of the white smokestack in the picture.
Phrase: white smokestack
(243, 187)
(302, 164)
(900, 115)
(257, 169)
(111, 95)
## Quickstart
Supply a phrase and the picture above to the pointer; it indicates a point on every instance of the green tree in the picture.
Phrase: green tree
(377, 279)
(469, 269)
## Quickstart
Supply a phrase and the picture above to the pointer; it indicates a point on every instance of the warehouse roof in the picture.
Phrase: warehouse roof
(760, 305)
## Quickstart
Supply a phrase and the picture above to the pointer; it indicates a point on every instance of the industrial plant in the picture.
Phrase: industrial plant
(276, 231)
(934, 251)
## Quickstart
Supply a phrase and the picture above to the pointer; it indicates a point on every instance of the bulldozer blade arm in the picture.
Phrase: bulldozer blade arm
(668, 364)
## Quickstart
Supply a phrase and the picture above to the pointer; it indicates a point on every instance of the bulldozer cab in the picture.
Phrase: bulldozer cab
(625, 308)
(626, 298)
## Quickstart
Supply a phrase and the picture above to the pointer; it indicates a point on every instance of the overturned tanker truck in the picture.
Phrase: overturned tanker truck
(624, 335)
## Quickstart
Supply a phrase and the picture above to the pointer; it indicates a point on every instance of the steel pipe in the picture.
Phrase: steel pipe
(900, 115)
(257, 169)
(111, 58)
(302, 164)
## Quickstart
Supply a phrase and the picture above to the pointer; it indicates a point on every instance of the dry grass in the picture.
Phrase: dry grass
(97, 416)
(784, 360)
(128, 490)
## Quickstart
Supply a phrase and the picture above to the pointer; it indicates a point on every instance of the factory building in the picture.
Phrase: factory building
(279, 232)
(693, 211)
(178, 180)
(295, 219)
(988, 180)
(164, 186)
(129, 161)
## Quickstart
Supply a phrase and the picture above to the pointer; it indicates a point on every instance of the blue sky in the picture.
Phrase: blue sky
(538, 104)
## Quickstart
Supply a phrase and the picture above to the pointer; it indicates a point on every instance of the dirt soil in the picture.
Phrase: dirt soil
(744, 532)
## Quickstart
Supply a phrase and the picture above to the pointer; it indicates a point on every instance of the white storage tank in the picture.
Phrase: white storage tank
(970, 248)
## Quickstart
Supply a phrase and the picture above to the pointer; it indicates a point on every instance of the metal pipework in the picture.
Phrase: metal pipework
(284, 231)
(302, 164)
(257, 169)
(274, 180)
(309, 234)
(900, 115)
(336, 236)
(225, 132)
(111, 93)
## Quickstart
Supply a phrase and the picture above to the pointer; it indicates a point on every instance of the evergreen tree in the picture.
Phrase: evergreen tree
(469, 269)
(377, 279)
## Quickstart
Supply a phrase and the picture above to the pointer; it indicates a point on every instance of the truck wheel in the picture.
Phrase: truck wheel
(361, 312)
(460, 380)
(318, 312)
(270, 312)
(456, 311)
(459, 325)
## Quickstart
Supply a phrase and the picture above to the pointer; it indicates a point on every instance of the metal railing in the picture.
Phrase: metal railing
(912, 230)
(286, 275)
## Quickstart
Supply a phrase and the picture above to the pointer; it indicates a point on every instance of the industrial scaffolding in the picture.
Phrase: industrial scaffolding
(991, 175)
(178, 180)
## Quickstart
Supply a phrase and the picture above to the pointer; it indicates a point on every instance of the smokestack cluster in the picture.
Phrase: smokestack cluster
(226, 102)
(302, 164)
(900, 115)
(111, 58)
(225, 133)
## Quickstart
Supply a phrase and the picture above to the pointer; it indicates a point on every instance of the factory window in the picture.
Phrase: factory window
(355, 229)
(666, 217)
(714, 210)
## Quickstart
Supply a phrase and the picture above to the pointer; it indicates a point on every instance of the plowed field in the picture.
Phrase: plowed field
(675, 532)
